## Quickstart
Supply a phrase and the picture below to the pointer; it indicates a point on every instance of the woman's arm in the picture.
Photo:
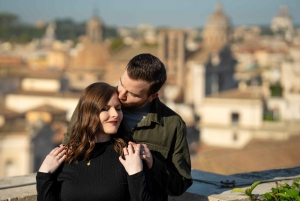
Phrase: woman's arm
(138, 184)
(47, 187)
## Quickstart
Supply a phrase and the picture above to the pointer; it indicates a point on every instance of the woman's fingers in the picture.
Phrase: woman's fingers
(132, 161)
(63, 158)
(53, 151)
(58, 152)
(125, 151)
(60, 155)
(53, 160)
(121, 160)
(130, 149)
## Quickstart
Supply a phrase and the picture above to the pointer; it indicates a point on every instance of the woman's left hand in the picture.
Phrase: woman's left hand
(133, 162)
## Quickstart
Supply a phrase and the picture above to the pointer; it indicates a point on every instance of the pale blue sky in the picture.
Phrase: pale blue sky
(173, 13)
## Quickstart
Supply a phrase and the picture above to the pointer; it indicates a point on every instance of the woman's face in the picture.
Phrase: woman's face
(111, 116)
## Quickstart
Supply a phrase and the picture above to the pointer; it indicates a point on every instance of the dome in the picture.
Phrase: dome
(94, 30)
(218, 19)
(217, 31)
(283, 12)
(94, 22)
(92, 57)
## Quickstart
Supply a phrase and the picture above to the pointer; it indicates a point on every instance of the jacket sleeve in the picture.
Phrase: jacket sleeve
(72, 121)
(140, 187)
(48, 189)
(174, 174)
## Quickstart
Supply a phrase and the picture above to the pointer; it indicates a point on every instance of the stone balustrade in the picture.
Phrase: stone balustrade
(206, 185)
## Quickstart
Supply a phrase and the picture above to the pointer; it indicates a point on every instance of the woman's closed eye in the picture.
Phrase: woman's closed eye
(108, 108)
(105, 108)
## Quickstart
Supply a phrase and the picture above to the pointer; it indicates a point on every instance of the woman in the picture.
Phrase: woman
(97, 165)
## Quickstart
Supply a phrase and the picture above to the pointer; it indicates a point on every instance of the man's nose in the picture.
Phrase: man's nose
(122, 94)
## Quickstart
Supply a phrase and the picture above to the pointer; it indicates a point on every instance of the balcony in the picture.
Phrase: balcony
(206, 186)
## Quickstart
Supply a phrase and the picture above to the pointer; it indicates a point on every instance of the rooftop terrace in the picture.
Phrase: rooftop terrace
(206, 186)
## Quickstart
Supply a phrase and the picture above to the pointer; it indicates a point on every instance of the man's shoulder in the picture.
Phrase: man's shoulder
(167, 113)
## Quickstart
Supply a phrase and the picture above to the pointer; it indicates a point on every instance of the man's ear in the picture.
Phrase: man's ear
(152, 97)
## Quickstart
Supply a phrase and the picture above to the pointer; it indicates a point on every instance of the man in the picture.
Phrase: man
(154, 125)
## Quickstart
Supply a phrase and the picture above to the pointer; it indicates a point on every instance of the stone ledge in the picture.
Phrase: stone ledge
(214, 191)
(19, 188)
(206, 186)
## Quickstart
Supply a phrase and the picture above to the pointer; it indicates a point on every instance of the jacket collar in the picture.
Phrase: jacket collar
(154, 115)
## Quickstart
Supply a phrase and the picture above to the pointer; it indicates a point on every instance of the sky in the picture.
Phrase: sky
(171, 13)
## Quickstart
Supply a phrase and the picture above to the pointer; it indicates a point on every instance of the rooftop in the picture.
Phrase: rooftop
(126, 53)
(238, 94)
(258, 155)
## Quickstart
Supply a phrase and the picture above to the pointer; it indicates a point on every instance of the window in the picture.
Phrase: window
(215, 59)
(235, 119)
(214, 83)
(10, 169)
(276, 114)
(235, 137)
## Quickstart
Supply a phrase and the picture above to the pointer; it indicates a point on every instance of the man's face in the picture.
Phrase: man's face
(133, 93)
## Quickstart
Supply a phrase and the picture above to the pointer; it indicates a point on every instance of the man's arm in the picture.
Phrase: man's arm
(169, 178)
(174, 174)
(72, 121)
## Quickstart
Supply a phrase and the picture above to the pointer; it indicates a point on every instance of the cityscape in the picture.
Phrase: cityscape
(237, 87)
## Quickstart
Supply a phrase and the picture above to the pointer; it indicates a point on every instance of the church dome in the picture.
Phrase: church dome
(217, 31)
(94, 22)
(94, 30)
(283, 12)
(218, 19)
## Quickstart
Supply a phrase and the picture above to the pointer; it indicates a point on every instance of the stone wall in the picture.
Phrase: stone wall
(206, 185)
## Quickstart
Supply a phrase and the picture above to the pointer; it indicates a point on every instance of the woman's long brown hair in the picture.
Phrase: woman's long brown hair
(87, 124)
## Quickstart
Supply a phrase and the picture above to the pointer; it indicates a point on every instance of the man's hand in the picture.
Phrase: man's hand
(145, 154)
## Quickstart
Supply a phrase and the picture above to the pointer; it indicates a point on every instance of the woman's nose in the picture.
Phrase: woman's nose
(114, 112)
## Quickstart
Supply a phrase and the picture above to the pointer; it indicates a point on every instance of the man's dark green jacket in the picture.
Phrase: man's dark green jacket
(164, 132)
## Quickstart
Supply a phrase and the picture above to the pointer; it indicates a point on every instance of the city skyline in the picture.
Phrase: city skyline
(175, 13)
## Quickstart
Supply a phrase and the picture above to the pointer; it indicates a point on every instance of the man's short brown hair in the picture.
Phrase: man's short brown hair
(148, 68)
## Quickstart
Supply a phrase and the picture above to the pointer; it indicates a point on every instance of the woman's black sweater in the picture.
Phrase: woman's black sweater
(104, 179)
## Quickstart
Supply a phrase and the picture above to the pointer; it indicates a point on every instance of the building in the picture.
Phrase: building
(26, 138)
(282, 23)
(88, 60)
(233, 118)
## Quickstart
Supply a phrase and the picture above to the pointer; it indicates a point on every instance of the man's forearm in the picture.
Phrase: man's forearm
(169, 178)
(177, 183)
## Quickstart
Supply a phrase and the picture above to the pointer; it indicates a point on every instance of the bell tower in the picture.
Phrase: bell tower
(94, 29)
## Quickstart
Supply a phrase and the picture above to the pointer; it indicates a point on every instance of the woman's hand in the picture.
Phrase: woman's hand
(145, 154)
(53, 160)
(133, 162)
